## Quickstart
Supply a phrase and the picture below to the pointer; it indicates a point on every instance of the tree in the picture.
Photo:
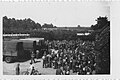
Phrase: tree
(47, 26)
(19, 25)
(102, 45)
(79, 26)
(101, 22)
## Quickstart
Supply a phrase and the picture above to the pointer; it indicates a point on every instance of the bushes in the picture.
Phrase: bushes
(103, 46)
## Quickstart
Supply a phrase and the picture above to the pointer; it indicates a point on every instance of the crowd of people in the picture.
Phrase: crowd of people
(74, 56)
(65, 56)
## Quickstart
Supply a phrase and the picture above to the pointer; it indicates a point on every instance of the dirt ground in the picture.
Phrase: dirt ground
(9, 68)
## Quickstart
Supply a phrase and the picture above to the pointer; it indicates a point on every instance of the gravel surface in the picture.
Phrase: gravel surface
(9, 68)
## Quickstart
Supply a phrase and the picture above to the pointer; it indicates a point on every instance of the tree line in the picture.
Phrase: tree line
(12, 25)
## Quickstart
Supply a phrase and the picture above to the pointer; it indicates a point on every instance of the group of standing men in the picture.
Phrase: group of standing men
(70, 56)
(67, 56)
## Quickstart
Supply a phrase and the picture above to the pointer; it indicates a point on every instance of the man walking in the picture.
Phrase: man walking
(18, 69)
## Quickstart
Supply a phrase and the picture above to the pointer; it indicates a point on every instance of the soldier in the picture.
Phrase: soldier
(70, 63)
(34, 46)
(18, 69)
(77, 66)
(32, 57)
(64, 61)
(37, 54)
(32, 71)
(79, 72)
(67, 70)
(73, 65)
(56, 63)
(44, 61)
(59, 71)
(49, 60)
(59, 62)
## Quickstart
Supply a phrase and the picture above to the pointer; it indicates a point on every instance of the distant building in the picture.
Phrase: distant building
(50, 29)
(69, 28)
(8, 35)
(14, 36)
(82, 34)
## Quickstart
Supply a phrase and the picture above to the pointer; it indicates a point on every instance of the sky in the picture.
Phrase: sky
(60, 14)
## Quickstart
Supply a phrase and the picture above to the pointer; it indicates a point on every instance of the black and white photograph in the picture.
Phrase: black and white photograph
(56, 38)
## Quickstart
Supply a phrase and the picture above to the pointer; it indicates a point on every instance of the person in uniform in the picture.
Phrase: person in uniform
(59, 71)
(56, 63)
(44, 61)
(70, 64)
(34, 47)
(67, 70)
(59, 62)
(32, 57)
(32, 71)
(18, 69)
(37, 54)
(49, 60)
(73, 65)
(30, 68)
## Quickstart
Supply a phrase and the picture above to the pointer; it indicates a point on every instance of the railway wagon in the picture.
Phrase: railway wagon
(15, 50)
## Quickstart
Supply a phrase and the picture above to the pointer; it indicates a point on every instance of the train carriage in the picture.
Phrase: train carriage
(15, 50)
